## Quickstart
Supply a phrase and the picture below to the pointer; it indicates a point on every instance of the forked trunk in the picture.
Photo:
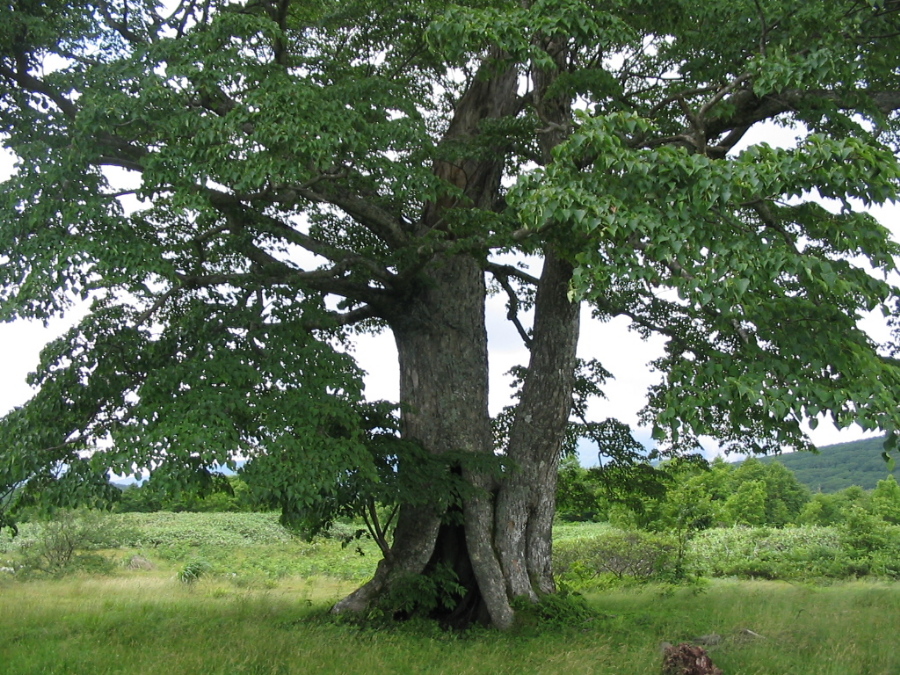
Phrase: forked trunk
(499, 547)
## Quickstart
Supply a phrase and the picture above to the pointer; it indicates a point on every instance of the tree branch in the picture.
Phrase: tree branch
(121, 27)
(750, 109)
(512, 305)
(509, 271)
(27, 81)
(339, 319)
(378, 221)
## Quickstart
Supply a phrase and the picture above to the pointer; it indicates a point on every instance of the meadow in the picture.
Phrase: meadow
(258, 604)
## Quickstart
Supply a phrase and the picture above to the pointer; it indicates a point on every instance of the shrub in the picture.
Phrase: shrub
(191, 573)
(620, 554)
(422, 594)
(864, 545)
(202, 529)
(61, 544)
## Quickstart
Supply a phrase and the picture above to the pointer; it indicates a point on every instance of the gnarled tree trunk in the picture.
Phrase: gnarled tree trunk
(442, 347)
(502, 548)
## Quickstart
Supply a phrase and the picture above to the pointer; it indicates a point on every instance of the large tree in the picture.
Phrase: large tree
(240, 187)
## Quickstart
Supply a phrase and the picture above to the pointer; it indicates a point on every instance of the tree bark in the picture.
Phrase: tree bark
(527, 500)
(502, 549)
(442, 347)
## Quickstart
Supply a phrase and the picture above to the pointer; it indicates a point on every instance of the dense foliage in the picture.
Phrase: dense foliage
(236, 188)
(227, 494)
(689, 495)
(752, 493)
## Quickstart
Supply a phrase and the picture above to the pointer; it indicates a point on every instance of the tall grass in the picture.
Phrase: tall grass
(148, 623)
(260, 607)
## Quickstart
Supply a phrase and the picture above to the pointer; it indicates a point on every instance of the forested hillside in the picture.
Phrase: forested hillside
(839, 466)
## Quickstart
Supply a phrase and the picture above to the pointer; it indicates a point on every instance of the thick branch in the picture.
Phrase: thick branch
(328, 320)
(335, 254)
(502, 273)
(24, 79)
(509, 271)
(513, 309)
(750, 109)
(382, 224)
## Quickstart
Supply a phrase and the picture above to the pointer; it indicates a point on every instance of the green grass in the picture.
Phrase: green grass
(260, 607)
(138, 622)
(244, 545)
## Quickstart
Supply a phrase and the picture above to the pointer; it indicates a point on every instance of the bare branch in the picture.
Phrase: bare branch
(509, 271)
(512, 304)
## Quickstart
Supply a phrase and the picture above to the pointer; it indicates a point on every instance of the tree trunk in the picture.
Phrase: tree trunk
(442, 347)
(527, 500)
(501, 548)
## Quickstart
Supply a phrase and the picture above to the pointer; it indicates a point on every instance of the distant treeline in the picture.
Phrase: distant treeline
(692, 497)
(795, 488)
(223, 494)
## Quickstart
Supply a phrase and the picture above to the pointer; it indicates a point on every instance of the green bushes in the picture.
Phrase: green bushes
(763, 552)
(66, 542)
(615, 556)
(217, 494)
(864, 546)
(748, 520)
(250, 547)
(201, 529)
(254, 548)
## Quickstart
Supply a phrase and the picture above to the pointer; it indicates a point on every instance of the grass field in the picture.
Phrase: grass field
(148, 623)
(266, 618)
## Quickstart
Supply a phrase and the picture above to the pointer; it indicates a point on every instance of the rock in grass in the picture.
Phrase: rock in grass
(708, 640)
(139, 562)
(687, 659)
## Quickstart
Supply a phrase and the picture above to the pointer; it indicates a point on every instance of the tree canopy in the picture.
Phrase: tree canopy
(238, 188)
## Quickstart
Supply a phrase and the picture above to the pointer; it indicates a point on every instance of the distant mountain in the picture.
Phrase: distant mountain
(839, 466)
